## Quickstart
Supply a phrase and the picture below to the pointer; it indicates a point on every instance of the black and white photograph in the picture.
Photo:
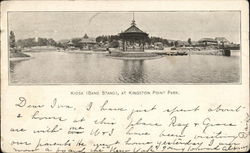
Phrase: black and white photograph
(124, 76)
(119, 47)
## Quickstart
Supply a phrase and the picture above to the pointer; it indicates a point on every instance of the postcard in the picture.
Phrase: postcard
(124, 76)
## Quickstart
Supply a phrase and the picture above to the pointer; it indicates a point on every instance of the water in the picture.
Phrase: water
(81, 68)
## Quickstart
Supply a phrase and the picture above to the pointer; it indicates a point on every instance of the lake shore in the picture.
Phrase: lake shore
(215, 52)
(133, 58)
(18, 55)
(168, 51)
(19, 58)
(212, 51)
(84, 52)
(208, 52)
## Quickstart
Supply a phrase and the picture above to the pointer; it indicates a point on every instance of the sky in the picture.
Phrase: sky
(169, 25)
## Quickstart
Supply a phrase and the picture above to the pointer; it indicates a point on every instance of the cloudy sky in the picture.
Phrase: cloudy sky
(169, 25)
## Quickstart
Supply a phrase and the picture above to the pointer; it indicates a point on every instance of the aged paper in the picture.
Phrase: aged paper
(124, 76)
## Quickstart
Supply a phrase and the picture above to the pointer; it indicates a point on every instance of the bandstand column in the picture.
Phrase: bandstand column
(123, 42)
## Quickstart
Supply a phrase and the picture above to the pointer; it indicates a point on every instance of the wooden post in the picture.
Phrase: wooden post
(123, 45)
(143, 46)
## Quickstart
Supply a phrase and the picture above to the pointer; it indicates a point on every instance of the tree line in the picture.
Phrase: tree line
(149, 40)
(31, 42)
(76, 42)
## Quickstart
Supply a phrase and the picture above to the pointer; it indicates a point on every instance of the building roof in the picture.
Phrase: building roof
(207, 40)
(133, 32)
(221, 39)
(180, 42)
(133, 29)
(88, 40)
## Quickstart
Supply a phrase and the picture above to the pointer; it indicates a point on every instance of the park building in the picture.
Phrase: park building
(222, 40)
(133, 38)
(88, 43)
(207, 42)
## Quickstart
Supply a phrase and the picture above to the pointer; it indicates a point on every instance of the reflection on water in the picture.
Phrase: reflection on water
(133, 72)
(68, 68)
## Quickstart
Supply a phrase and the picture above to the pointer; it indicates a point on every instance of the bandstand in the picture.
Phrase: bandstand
(132, 47)
(133, 39)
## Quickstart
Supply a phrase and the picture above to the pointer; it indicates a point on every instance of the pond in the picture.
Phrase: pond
(54, 67)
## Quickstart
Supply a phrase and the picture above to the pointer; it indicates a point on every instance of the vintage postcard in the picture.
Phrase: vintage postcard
(124, 76)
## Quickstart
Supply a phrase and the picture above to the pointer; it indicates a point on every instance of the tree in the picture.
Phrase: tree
(42, 42)
(30, 42)
(51, 42)
(165, 42)
(99, 39)
(114, 44)
(77, 42)
(189, 41)
(109, 38)
(12, 40)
